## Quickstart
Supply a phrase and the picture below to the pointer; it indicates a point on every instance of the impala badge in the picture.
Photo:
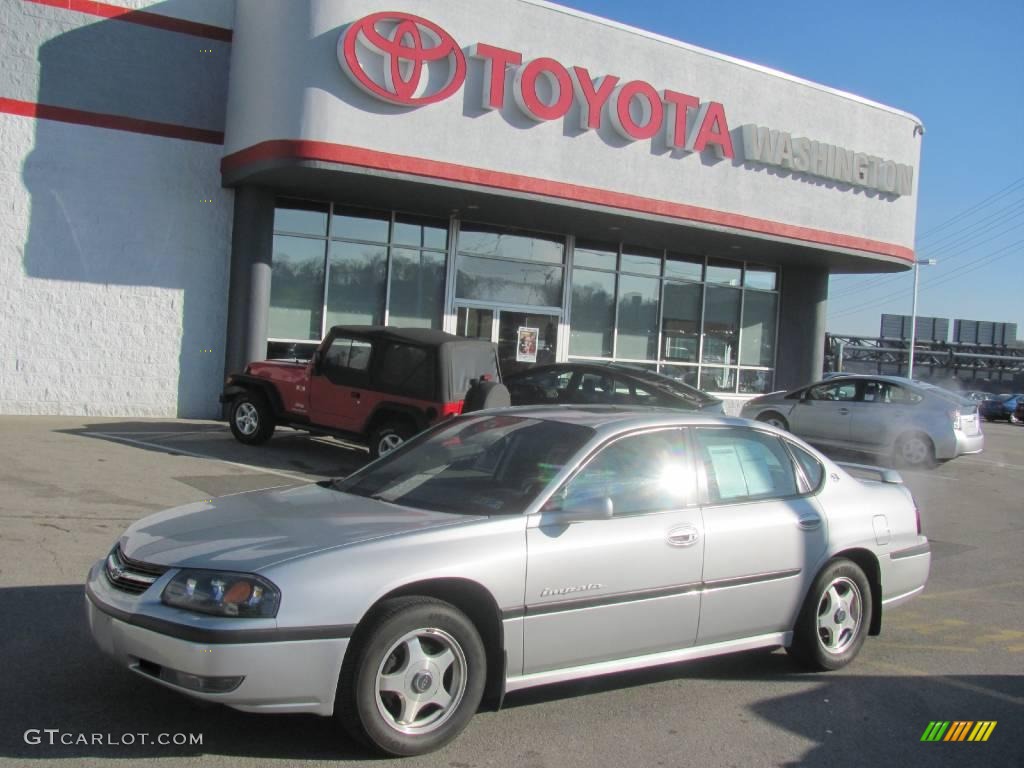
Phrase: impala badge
(548, 591)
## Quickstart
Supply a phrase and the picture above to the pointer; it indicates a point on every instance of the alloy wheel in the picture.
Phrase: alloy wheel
(247, 418)
(388, 443)
(914, 451)
(421, 681)
(840, 612)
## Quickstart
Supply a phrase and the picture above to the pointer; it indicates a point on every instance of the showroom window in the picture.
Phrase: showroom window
(496, 265)
(334, 265)
(708, 322)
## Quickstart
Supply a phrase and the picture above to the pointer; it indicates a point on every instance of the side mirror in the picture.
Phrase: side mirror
(580, 510)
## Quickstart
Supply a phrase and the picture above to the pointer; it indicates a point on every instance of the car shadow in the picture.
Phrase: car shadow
(289, 451)
(55, 677)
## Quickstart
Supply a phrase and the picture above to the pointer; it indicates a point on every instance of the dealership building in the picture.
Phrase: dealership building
(190, 186)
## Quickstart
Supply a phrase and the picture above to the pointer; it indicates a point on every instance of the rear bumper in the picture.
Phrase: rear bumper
(969, 443)
(905, 572)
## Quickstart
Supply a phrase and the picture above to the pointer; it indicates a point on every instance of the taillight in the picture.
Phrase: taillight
(917, 517)
(954, 416)
(451, 409)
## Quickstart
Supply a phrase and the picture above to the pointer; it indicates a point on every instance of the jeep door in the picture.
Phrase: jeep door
(337, 383)
(627, 585)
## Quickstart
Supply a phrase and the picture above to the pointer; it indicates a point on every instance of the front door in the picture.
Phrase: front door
(823, 413)
(619, 587)
(336, 386)
(524, 338)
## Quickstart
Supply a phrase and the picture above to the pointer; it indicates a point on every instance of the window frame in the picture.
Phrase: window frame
(802, 478)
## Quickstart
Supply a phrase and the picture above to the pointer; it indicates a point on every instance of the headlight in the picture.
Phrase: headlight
(221, 593)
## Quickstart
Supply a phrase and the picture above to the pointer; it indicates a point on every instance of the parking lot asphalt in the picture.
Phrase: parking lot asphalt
(70, 485)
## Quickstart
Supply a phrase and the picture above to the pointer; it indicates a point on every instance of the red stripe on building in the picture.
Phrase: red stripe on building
(433, 169)
(114, 122)
(144, 18)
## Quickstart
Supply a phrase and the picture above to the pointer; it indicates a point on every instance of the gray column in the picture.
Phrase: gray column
(804, 301)
(249, 292)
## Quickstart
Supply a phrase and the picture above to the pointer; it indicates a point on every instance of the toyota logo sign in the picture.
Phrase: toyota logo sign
(402, 59)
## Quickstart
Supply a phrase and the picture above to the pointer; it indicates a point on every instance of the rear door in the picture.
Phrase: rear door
(883, 412)
(823, 413)
(763, 533)
(338, 383)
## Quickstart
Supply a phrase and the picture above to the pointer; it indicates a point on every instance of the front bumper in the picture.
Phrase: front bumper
(285, 676)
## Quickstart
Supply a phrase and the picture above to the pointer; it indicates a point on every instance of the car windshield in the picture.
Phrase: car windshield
(483, 465)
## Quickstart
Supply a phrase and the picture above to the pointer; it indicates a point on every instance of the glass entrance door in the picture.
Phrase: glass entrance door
(524, 339)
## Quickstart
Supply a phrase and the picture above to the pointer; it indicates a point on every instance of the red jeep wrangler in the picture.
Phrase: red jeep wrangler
(374, 385)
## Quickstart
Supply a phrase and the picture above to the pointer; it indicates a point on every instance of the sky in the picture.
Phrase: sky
(957, 66)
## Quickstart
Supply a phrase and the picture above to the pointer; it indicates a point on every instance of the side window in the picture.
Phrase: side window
(628, 393)
(594, 388)
(542, 387)
(641, 473)
(745, 465)
(900, 395)
(843, 390)
(875, 392)
(408, 370)
(813, 470)
(347, 360)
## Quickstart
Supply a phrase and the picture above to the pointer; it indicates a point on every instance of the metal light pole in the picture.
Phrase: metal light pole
(913, 314)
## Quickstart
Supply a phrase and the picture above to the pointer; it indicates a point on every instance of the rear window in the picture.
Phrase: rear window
(409, 370)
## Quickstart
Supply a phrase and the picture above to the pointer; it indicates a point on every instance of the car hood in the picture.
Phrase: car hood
(250, 531)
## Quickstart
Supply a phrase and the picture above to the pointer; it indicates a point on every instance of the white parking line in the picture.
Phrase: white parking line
(193, 454)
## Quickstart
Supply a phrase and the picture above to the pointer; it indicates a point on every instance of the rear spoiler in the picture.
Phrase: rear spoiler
(885, 475)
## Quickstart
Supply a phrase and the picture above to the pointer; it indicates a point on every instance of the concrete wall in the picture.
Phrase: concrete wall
(113, 243)
(287, 83)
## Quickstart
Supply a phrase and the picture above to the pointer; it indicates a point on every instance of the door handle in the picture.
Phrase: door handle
(844, 411)
(682, 537)
(356, 395)
(809, 521)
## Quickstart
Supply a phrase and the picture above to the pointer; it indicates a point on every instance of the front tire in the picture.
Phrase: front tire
(774, 419)
(835, 618)
(413, 680)
(251, 420)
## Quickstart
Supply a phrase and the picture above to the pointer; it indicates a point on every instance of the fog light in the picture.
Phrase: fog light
(199, 683)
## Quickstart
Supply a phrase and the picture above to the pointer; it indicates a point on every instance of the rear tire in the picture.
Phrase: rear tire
(413, 678)
(774, 419)
(389, 436)
(835, 618)
(915, 451)
(251, 419)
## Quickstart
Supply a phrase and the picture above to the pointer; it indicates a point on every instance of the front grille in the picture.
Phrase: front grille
(130, 575)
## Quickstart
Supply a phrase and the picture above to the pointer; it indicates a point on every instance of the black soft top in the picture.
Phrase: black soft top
(460, 360)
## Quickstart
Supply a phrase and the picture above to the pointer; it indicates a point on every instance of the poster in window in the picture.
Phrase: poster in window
(526, 348)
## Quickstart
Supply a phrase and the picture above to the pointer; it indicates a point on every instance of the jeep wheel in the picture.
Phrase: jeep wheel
(251, 419)
(413, 676)
(387, 437)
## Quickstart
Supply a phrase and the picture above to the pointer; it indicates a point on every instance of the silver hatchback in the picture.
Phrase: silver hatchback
(911, 422)
(503, 550)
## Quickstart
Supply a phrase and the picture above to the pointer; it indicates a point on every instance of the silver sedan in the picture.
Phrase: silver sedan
(913, 423)
(503, 550)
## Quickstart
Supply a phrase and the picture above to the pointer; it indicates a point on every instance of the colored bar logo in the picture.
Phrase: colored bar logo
(958, 730)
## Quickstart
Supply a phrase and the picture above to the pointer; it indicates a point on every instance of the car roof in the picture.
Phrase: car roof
(426, 336)
(625, 370)
(618, 418)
